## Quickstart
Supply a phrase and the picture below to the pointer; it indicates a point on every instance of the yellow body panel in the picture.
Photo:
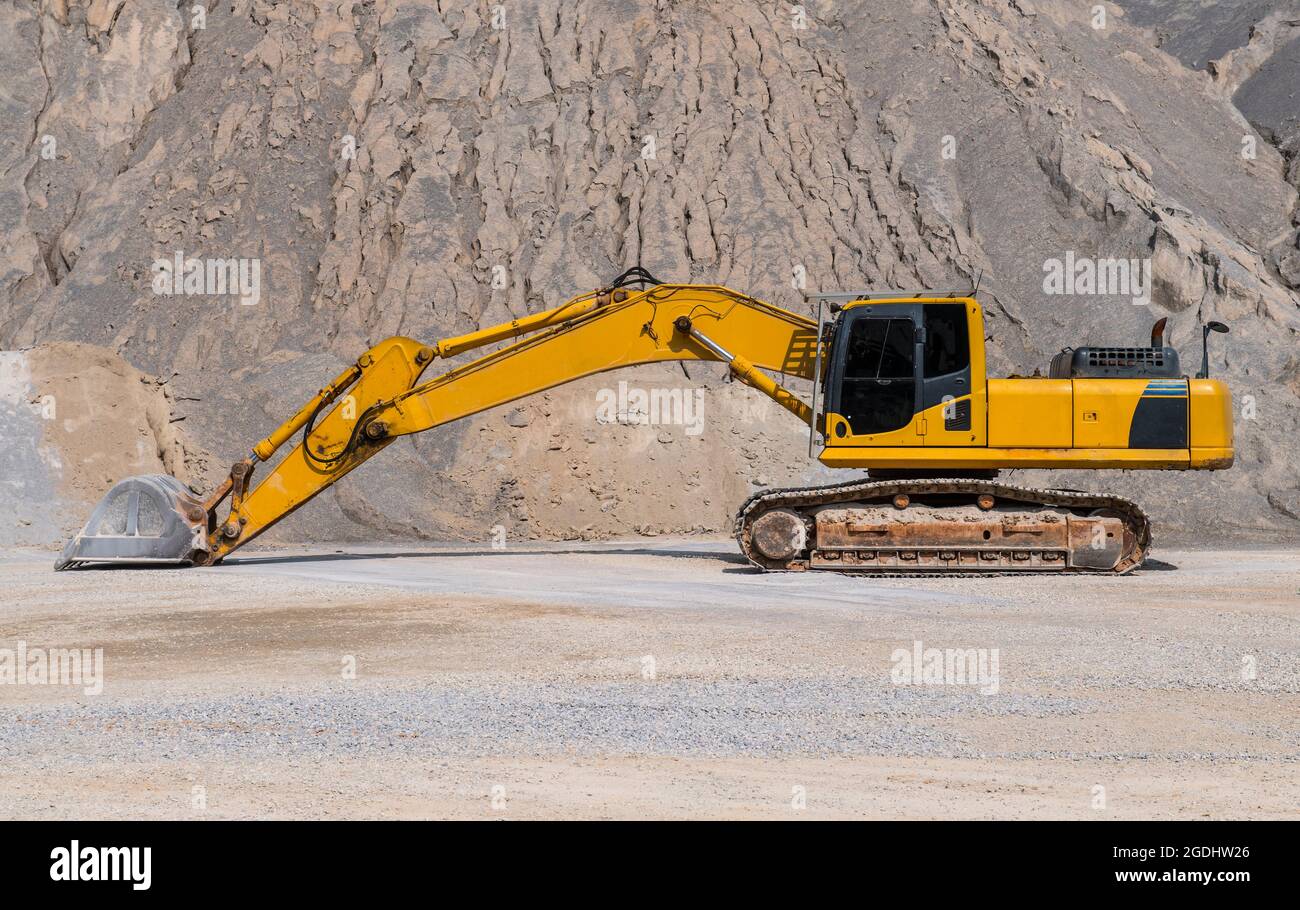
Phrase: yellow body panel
(925, 428)
(1211, 424)
(909, 435)
(1074, 423)
(1103, 411)
(1031, 413)
(933, 419)
(1206, 458)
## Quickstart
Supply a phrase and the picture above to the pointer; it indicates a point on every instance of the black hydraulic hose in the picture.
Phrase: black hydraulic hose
(328, 461)
(635, 275)
(322, 461)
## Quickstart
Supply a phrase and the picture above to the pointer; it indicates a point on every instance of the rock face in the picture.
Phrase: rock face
(1200, 32)
(424, 168)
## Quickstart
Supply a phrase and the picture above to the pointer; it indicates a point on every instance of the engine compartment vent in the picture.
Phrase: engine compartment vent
(1116, 363)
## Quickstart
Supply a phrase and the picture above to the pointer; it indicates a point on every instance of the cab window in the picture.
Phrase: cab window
(947, 341)
(880, 349)
(879, 387)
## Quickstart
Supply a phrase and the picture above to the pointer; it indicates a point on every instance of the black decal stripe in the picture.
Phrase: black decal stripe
(1159, 422)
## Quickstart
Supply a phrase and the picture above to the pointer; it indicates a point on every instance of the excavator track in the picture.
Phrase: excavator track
(952, 527)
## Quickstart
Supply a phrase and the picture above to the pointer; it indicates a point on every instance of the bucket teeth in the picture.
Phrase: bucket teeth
(152, 519)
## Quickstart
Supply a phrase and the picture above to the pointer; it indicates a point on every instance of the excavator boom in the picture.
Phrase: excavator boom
(384, 396)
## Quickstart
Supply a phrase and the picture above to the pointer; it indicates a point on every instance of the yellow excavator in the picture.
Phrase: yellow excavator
(898, 388)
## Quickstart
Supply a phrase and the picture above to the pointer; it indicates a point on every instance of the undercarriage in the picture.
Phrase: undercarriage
(954, 526)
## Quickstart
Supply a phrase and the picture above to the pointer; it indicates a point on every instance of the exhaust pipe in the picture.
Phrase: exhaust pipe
(1158, 333)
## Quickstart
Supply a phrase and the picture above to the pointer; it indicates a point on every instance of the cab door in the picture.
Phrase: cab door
(873, 389)
(953, 395)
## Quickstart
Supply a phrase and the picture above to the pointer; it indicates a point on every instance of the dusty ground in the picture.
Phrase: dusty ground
(513, 684)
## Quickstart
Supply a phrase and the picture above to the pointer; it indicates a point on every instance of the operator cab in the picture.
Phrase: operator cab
(899, 372)
(908, 371)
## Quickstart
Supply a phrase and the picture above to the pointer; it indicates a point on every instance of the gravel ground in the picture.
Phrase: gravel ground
(663, 680)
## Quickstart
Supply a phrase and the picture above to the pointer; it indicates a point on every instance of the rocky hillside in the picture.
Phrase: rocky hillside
(426, 166)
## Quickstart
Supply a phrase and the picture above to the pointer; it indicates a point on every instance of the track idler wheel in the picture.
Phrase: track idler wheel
(781, 535)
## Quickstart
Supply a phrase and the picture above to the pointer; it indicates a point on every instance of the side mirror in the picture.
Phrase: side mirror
(1209, 327)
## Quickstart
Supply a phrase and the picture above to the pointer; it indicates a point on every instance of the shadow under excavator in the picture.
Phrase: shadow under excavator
(251, 560)
(740, 564)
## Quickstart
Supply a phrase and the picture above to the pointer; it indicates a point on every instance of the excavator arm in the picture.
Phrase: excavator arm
(383, 396)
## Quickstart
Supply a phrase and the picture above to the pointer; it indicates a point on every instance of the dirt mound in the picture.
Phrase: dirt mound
(83, 419)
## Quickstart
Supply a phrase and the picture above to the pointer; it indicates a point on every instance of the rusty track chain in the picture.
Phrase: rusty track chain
(803, 497)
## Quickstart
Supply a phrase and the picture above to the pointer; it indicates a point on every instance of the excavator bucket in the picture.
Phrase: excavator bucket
(152, 519)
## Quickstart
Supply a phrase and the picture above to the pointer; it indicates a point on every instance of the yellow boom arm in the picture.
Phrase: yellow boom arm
(381, 397)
